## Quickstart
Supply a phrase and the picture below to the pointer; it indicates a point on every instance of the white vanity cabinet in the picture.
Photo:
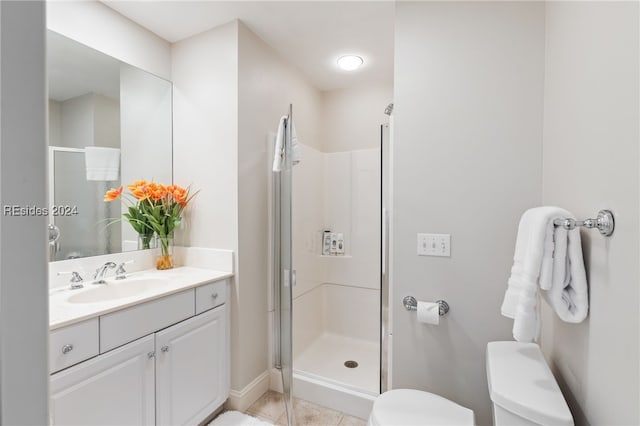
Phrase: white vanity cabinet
(116, 388)
(178, 374)
(191, 373)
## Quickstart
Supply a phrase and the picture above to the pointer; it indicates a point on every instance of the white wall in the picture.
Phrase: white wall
(205, 134)
(145, 134)
(24, 307)
(54, 122)
(352, 117)
(77, 121)
(101, 28)
(352, 207)
(266, 87)
(107, 121)
(338, 191)
(86, 120)
(230, 90)
(351, 311)
(467, 161)
(335, 309)
(308, 203)
(590, 162)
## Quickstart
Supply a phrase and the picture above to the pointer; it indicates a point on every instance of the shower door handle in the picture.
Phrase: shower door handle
(288, 277)
(385, 237)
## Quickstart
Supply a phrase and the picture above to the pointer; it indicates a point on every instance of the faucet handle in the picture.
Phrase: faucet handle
(98, 277)
(75, 280)
(121, 273)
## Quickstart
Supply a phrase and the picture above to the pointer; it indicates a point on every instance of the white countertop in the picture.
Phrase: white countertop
(62, 312)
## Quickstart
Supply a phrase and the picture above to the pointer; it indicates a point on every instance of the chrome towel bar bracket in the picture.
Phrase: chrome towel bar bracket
(411, 304)
(604, 222)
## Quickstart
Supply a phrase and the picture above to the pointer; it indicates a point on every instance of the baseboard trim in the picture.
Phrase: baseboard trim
(275, 380)
(243, 399)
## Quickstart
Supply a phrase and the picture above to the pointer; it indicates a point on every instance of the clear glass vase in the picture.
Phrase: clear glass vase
(146, 241)
(165, 252)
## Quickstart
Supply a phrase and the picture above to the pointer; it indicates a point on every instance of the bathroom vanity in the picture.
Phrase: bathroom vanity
(150, 349)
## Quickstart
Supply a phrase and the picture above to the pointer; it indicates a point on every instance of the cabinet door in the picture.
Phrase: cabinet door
(116, 388)
(191, 368)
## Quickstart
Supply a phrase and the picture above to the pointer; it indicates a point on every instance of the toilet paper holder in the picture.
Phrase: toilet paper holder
(411, 304)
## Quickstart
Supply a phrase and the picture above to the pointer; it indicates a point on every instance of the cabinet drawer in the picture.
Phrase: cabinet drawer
(132, 323)
(72, 344)
(211, 295)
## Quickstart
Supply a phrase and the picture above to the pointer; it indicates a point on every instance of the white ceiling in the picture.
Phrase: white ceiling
(310, 35)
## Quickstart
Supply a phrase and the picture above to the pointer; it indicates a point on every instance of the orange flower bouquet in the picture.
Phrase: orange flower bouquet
(157, 210)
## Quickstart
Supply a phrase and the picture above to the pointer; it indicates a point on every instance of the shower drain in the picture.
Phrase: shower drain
(350, 364)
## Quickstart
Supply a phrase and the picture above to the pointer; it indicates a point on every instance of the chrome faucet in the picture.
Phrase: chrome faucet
(98, 278)
(75, 280)
(121, 273)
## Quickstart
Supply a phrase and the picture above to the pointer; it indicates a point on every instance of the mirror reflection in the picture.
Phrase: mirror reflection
(109, 124)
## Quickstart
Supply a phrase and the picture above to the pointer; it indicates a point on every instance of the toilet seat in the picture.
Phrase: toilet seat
(414, 407)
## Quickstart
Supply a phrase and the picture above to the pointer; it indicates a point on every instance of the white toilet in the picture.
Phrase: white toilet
(413, 407)
(523, 392)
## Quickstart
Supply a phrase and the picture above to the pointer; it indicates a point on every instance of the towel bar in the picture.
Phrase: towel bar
(604, 222)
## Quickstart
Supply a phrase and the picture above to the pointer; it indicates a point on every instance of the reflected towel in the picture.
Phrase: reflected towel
(102, 163)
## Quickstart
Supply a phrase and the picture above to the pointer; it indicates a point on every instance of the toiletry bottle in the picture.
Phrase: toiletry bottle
(326, 242)
(334, 243)
(340, 244)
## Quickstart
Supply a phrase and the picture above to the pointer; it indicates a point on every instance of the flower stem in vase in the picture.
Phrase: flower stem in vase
(165, 259)
(146, 241)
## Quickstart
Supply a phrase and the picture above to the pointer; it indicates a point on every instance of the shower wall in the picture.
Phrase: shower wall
(336, 307)
(337, 294)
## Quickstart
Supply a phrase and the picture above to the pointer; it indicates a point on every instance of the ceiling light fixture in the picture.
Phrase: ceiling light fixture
(350, 62)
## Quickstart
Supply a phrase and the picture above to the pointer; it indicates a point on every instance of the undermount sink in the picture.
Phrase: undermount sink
(115, 290)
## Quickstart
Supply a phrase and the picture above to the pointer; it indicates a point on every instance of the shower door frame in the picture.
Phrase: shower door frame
(283, 274)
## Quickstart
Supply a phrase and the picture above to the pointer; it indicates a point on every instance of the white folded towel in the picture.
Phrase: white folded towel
(540, 262)
(102, 163)
(278, 156)
(569, 293)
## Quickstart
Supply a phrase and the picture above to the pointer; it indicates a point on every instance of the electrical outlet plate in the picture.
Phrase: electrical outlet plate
(434, 245)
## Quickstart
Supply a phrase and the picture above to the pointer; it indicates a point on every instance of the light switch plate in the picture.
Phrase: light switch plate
(434, 245)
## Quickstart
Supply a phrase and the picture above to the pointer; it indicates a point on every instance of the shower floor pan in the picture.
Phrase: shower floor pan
(320, 374)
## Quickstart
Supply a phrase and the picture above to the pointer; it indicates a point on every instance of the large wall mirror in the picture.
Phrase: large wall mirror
(109, 124)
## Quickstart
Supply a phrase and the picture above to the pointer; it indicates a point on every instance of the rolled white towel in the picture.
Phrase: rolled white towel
(569, 294)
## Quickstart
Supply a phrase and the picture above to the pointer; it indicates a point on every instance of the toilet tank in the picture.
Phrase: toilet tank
(522, 388)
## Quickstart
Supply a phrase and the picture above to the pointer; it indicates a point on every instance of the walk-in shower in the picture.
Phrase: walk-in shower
(336, 299)
(336, 303)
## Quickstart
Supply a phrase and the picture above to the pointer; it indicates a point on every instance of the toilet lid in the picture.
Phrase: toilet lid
(413, 407)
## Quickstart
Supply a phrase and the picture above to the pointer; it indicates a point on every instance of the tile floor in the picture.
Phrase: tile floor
(270, 407)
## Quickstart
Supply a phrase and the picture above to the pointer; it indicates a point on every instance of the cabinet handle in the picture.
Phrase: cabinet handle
(214, 296)
(151, 354)
(67, 348)
(165, 348)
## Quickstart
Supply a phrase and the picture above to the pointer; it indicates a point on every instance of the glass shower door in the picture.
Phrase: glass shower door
(284, 273)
